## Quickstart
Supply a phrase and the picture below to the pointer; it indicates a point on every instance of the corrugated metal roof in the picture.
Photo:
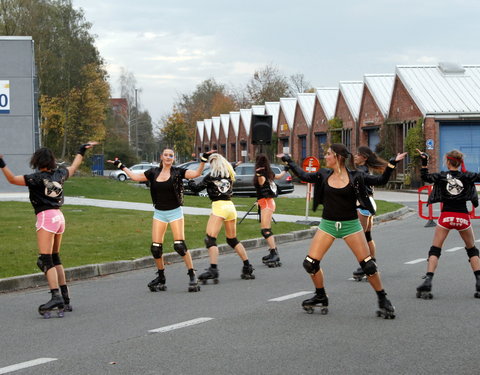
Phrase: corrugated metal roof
(381, 88)
(307, 104)
(225, 120)
(258, 109)
(273, 109)
(235, 118)
(288, 106)
(216, 125)
(436, 92)
(352, 93)
(327, 97)
(208, 128)
(246, 115)
(200, 126)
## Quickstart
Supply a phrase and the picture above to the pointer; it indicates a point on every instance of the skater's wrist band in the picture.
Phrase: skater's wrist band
(2, 163)
(391, 166)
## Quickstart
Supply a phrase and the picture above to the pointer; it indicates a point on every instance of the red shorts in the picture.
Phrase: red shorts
(454, 220)
(51, 221)
(267, 204)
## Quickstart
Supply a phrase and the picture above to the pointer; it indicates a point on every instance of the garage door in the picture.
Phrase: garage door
(464, 137)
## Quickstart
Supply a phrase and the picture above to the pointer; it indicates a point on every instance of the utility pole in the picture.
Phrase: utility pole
(136, 122)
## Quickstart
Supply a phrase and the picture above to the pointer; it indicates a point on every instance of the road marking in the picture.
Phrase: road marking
(180, 325)
(416, 261)
(454, 249)
(289, 296)
(21, 366)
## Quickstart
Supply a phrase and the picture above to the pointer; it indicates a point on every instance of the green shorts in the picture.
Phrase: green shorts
(340, 229)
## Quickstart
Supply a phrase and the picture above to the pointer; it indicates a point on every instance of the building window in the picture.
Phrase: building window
(233, 154)
(321, 143)
(347, 138)
(223, 149)
(303, 146)
(373, 138)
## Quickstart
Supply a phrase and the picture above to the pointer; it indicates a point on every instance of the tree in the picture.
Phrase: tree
(298, 84)
(174, 133)
(267, 85)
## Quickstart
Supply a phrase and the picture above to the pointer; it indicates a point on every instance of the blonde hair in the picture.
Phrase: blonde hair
(220, 167)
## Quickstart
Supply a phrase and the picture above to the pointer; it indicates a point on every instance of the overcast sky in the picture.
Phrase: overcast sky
(172, 46)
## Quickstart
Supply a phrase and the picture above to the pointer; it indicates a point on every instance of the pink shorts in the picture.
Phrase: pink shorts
(51, 221)
(454, 220)
(267, 204)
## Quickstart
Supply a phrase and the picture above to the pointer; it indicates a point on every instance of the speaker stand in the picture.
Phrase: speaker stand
(258, 213)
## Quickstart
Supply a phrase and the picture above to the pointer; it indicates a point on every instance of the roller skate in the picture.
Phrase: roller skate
(424, 290)
(247, 272)
(272, 260)
(158, 284)
(66, 298)
(359, 275)
(385, 308)
(477, 294)
(56, 303)
(210, 274)
(318, 300)
(193, 284)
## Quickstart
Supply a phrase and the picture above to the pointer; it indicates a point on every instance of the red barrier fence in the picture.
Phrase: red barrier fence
(426, 211)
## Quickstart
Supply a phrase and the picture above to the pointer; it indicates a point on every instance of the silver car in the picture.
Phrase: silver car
(137, 168)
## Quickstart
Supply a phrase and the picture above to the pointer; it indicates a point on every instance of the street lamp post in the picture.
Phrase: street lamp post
(136, 122)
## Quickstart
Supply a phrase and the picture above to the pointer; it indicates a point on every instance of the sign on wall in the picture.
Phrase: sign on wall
(4, 96)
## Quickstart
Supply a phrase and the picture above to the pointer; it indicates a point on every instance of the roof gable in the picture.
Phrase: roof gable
(246, 115)
(288, 106)
(352, 93)
(216, 126)
(225, 121)
(235, 118)
(200, 127)
(307, 104)
(273, 109)
(381, 88)
(208, 128)
(258, 109)
(327, 97)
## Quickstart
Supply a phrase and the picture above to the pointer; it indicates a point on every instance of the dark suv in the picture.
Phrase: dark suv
(243, 184)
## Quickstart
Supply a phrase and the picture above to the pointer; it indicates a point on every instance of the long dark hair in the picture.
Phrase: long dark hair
(344, 156)
(262, 161)
(43, 158)
(372, 160)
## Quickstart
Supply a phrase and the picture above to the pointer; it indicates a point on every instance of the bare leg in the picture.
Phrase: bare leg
(45, 241)
(231, 232)
(158, 234)
(214, 226)
(266, 222)
(178, 230)
(318, 248)
(469, 238)
(438, 240)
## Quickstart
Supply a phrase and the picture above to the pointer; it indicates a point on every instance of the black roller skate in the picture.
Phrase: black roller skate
(247, 272)
(158, 284)
(56, 303)
(210, 274)
(193, 284)
(385, 308)
(359, 275)
(424, 290)
(318, 300)
(477, 294)
(66, 298)
(273, 259)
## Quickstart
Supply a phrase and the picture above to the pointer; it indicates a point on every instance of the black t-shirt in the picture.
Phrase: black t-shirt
(162, 193)
(455, 196)
(339, 204)
(46, 189)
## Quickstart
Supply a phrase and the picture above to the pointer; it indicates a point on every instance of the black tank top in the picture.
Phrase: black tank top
(339, 204)
(163, 195)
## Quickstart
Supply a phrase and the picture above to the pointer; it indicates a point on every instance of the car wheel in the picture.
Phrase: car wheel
(122, 177)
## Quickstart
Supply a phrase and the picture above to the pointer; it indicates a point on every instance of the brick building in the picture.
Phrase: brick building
(301, 132)
(233, 147)
(347, 110)
(286, 118)
(323, 111)
(222, 139)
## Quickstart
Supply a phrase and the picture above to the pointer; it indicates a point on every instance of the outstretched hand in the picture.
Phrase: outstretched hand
(400, 156)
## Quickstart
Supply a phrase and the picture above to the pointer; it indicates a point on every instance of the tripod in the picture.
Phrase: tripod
(259, 213)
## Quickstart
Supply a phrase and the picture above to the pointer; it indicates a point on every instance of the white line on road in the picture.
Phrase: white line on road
(180, 325)
(416, 261)
(289, 296)
(21, 366)
(454, 249)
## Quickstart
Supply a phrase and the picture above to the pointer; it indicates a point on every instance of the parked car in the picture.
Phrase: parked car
(137, 168)
(243, 184)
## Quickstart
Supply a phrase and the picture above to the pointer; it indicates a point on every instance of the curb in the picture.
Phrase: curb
(89, 271)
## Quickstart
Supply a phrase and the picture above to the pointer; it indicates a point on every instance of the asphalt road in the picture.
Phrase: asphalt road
(246, 332)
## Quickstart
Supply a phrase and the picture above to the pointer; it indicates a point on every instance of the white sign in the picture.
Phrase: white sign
(429, 143)
(4, 97)
(244, 152)
(286, 150)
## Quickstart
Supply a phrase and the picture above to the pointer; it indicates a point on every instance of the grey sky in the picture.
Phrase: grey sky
(171, 46)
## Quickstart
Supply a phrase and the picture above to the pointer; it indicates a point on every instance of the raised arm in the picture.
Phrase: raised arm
(14, 180)
(299, 172)
(79, 157)
(189, 174)
(385, 176)
(427, 177)
(139, 177)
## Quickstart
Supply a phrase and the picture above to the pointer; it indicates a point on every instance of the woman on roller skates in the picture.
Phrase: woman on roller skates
(452, 188)
(339, 189)
(264, 182)
(46, 195)
(166, 190)
(219, 183)
(365, 161)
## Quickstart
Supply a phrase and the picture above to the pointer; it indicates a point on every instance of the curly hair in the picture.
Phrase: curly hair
(43, 158)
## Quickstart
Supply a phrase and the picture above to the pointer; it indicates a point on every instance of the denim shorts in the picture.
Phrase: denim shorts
(364, 211)
(167, 216)
(340, 229)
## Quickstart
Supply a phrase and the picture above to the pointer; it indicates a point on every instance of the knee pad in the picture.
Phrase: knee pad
(434, 250)
(369, 266)
(233, 242)
(266, 232)
(368, 236)
(472, 252)
(56, 259)
(45, 262)
(312, 266)
(180, 247)
(210, 241)
(157, 250)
